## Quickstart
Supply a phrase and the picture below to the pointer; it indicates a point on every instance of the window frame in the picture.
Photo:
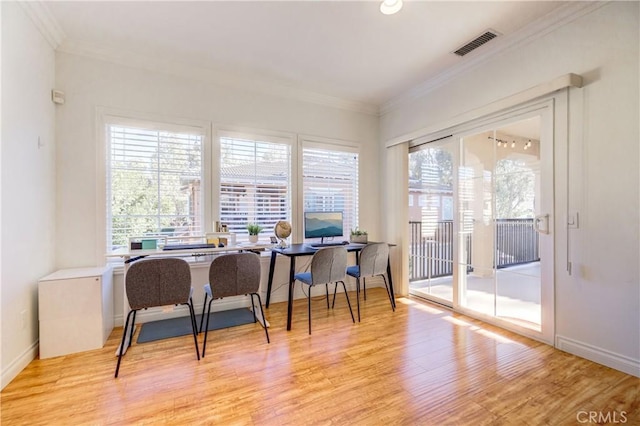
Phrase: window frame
(239, 132)
(328, 144)
(211, 178)
(111, 116)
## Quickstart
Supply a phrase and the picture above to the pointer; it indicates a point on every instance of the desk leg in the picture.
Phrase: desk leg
(292, 271)
(393, 296)
(272, 266)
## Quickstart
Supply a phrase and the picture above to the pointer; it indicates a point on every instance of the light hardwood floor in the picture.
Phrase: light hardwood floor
(422, 365)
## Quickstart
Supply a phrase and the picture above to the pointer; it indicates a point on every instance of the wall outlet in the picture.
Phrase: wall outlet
(23, 317)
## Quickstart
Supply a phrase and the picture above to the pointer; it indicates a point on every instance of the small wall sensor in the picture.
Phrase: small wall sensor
(57, 96)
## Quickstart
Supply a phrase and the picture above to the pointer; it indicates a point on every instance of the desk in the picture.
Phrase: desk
(130, 256)
(296, 250)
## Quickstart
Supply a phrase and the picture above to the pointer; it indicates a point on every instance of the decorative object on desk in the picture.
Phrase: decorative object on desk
(359, 236)
(147, 242)
(254, 229)
(282, 231)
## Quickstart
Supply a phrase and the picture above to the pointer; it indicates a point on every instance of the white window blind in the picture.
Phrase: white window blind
(255, 183)
(154, 182)
(330, 182)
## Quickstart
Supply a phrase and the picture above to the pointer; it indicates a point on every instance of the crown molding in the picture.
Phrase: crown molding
(211, 75)
(538, 28)
(44, 21)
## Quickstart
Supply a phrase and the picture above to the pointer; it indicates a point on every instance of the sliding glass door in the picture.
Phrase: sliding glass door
(480, 205)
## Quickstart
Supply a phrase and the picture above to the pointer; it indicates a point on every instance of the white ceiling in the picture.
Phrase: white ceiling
(344, 50)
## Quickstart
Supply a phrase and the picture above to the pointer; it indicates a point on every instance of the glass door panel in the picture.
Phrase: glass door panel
(499, 186)
(431, 221)
(475, 240)
(517, 189)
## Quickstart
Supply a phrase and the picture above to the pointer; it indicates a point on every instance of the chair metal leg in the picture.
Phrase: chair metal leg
(364, 288)
(393, 305)
(348, 303)
(206, 330)
(358, 296)
(204, 304)
(124, 338)
(309, 303)
(266, 331)
(335, 290)
(194, 321)
(133, 327)
(253, 309)
(194, 326)
(326, 287)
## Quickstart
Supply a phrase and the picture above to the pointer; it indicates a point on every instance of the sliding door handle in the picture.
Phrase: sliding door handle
(541, 224)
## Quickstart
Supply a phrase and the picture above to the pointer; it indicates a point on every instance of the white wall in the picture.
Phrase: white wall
(598, 306)
(28, 183)
(89, 83)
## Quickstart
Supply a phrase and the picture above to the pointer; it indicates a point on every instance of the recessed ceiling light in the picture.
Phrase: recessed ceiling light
(389, 7)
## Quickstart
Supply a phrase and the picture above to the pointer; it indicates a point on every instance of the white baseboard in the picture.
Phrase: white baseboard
(18, 364)
(599, 355)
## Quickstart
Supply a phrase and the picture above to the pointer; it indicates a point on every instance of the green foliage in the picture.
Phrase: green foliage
(254, 228)
(358, 232)
(144, 201)
(515, 186)
(434, 165)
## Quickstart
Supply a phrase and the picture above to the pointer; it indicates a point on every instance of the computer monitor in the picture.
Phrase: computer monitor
(323, 224)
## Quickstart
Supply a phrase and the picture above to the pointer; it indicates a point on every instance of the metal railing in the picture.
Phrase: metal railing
(516, 242)
(431, 247)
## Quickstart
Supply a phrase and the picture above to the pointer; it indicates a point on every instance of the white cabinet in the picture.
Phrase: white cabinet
(75, 309)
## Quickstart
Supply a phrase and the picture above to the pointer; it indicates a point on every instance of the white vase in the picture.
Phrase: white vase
(253, 239)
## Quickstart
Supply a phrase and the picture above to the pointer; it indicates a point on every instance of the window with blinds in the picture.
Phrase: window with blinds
(154, 183)
(255, 182)
(330, 182)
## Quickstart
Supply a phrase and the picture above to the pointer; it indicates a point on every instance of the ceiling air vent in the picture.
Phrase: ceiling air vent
(477, 42)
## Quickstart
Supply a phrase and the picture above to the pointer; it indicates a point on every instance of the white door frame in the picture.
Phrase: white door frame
(552, 129)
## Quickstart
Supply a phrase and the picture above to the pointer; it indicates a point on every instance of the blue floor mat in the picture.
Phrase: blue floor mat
(181, 326)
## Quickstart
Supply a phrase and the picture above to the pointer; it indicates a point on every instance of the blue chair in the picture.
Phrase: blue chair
(374, 259)
(328, 265)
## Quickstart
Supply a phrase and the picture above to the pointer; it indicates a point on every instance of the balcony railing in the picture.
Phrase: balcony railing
(431, 250)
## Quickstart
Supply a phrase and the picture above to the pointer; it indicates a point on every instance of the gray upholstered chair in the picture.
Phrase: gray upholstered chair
(328, 265)
(374, 259)
(233, 274)
(157, 282)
